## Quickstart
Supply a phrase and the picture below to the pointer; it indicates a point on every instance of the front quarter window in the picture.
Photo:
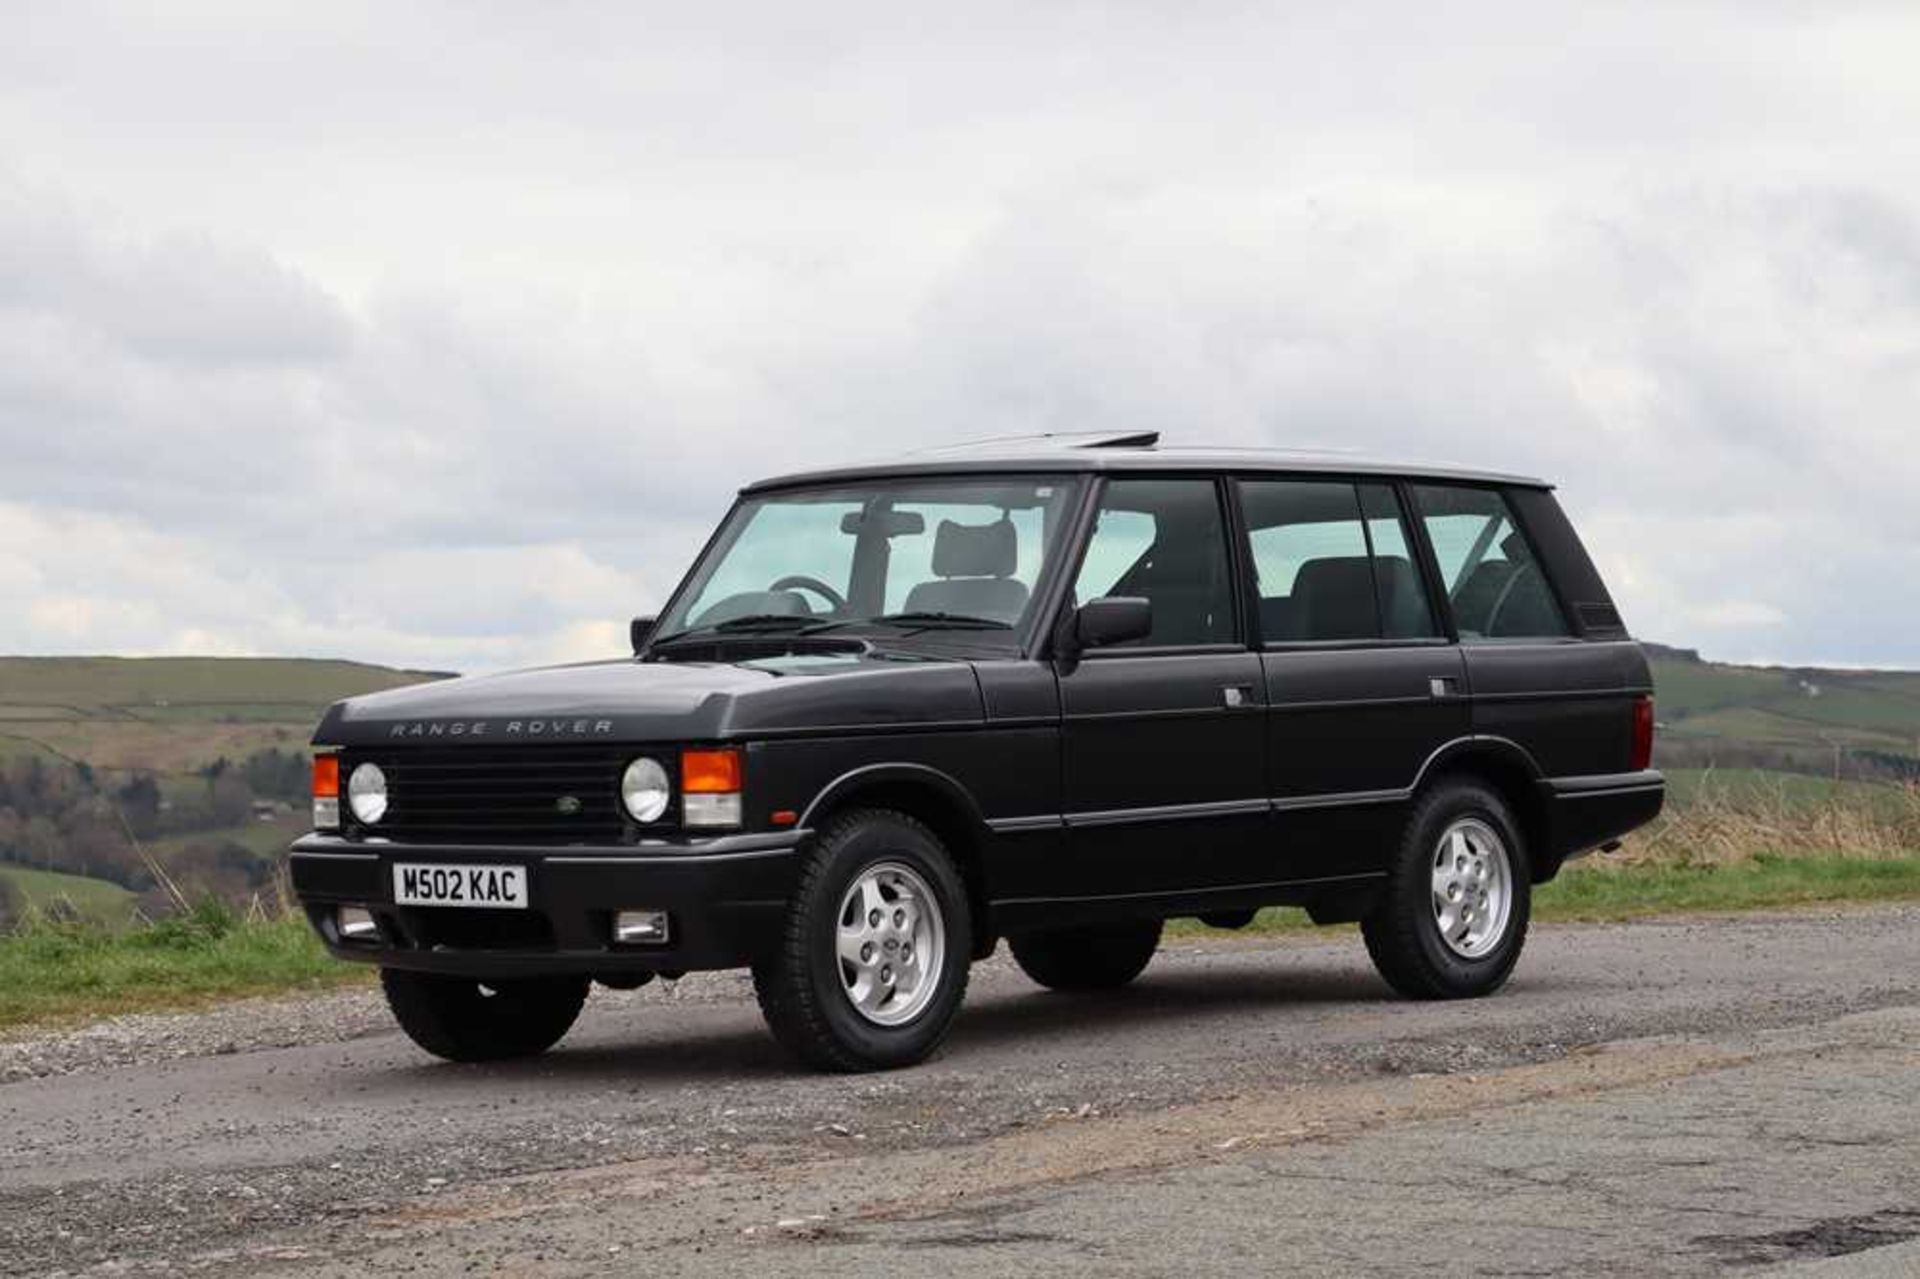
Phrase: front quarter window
(958, 553)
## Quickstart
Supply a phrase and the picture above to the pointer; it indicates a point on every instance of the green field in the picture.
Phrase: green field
(211, 687)
(1807, 708)
(266, 839)
(94, 899)
(172, 714)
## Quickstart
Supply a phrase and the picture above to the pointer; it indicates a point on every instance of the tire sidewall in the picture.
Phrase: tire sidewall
(868, 843)
(1451, 803)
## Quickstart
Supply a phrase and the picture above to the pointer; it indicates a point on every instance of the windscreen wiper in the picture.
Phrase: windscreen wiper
(932, 620)
(750, 624)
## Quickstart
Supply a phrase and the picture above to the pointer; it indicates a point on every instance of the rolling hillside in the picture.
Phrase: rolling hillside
(112, 766)
(172, 714)
(93, 899)
(175, 715)
(1801, 718)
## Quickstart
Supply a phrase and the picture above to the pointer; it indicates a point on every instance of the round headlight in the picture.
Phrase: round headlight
(367, 793)
(645, 790)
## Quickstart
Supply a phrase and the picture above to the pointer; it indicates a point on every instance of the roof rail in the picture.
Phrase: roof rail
(1062, 439)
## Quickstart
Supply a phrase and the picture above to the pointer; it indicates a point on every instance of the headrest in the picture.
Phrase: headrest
(1396, 574)
(975, 550)
(1514, 547)
(1333, 599)
(1335, 575)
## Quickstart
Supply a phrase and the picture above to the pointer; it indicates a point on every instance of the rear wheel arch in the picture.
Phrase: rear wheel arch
(1512, 774)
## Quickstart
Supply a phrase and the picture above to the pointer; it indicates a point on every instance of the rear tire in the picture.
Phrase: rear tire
(873, 962)
(1452, 919)
(463, 1019)
(1090, 957)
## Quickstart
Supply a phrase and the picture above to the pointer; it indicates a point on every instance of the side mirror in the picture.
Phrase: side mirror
(1112, 619)
(638, 630)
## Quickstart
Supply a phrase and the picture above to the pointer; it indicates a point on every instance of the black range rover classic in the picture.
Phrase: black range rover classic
(1054, 691)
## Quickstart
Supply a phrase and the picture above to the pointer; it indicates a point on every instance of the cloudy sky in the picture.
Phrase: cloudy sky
(441, 335)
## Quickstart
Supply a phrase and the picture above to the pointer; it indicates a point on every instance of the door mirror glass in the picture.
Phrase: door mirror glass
(638, 630)
(1113, 619)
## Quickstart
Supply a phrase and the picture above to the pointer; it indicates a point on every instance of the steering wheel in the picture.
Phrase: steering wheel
(799, 581)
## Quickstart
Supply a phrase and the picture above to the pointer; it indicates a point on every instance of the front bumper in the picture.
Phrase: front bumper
(725, 896)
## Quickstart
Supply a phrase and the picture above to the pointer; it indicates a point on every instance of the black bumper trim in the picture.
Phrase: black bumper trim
(726, 897)
(1588, 812)
(1606, 784)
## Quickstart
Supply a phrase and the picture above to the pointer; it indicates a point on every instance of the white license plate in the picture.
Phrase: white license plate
(501, 887)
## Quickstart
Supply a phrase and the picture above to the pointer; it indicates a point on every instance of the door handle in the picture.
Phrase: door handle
(1443, 686)
(1235, 696)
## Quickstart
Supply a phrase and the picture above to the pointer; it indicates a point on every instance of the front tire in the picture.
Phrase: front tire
(463, 1019)
(1091, 957)
(1452, 919)
(872, 964)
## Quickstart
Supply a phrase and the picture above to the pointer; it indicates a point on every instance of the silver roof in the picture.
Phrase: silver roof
(1129, 452)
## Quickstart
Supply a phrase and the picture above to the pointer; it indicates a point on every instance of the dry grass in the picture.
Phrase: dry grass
(1725, 826)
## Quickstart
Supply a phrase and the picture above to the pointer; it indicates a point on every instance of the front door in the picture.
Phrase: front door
(1164, 747)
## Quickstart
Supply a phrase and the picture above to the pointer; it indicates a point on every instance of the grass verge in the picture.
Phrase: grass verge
(1599, 892)
(75, 972)
(52, 972)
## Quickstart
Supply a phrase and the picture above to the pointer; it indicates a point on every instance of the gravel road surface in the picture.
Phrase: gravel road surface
(1674, 1097)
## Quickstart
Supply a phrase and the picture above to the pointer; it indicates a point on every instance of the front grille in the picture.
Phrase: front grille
(501, 794)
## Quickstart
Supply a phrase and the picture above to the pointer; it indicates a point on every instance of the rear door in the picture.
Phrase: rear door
(1164, 757)
(1362, 683)
(1567, 702)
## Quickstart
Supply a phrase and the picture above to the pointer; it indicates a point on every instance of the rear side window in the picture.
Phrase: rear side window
(1493, 580)
(1165, 540)
(1332, 562)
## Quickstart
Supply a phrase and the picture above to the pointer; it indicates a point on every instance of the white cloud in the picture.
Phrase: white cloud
(443, 337)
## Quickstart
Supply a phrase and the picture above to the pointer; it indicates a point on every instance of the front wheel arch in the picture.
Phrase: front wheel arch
(938, 802)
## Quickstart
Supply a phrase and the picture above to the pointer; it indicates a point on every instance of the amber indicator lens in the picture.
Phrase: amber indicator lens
(326, 776)
(710, 772)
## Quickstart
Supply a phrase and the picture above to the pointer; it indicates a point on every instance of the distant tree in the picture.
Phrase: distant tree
(232, 799)
(139, 802)
(277, 774)
(93, 843)
(13, 906)
(11, 829)
(219, 868)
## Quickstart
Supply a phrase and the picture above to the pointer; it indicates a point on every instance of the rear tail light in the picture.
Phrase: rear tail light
(710, 788)
(326, 792)
(1643, 734)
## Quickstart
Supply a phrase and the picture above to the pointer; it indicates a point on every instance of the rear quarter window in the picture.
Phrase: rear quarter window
(1496, 584)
